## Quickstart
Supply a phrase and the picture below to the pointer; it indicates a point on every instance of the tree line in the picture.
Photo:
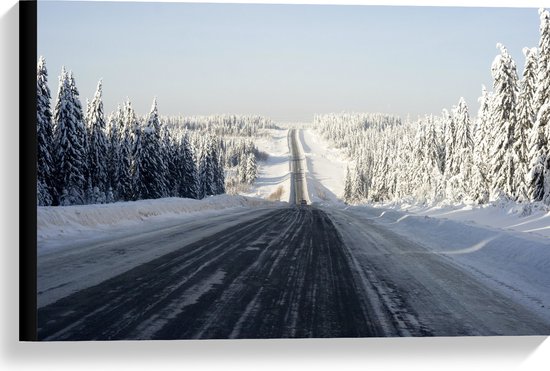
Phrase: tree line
(502, 154)
(86, 158)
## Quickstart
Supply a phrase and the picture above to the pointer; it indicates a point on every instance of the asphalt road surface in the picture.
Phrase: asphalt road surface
(283, 275)
(298, 168)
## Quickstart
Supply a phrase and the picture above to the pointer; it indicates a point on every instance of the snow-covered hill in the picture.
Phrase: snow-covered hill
(273, 174)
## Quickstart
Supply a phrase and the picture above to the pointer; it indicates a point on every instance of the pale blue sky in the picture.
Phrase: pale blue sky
(287, 62)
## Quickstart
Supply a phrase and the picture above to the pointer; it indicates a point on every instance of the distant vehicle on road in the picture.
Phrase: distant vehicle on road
(303, 202)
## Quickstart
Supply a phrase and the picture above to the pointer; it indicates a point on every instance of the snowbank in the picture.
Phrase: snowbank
(59, 221)
(509, 216)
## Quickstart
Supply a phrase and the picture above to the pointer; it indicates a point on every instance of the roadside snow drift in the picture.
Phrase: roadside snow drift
(508, 216)
(64, 221)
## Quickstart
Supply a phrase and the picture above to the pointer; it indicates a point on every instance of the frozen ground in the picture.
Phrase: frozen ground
(326, 168)
(274, 172)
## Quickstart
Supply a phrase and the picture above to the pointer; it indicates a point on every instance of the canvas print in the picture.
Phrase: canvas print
(244, 171)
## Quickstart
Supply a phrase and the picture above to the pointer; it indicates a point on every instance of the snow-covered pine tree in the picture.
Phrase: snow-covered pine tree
(539, 181)
(80, 119)
(69, 155)
(526, 117)
(241, 167)
(462, 153)
(169, 159)
(347, 187)
(356, 184)
(188, 180)
(220, 175)
(137, 153)
(114, 125)
(152, 181)
(450, 137)
(205, 170)
(433, 154)
(129, 148)
(97, 147)
(538, 144)
(419, 179)
(481, 179)
(503, 119)
(542, 94)
(44, 131)
(251, 168)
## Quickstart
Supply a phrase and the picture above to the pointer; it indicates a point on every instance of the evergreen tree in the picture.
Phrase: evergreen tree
(463, 156)
(542, 94)
(129, 149)
(44, 132)
(538, 143)
(539, 182)
(97, 147)
(481, 179)
(204, 171)
(137, 153)
(526, 118)
(70, 155)
(114, 125)
(503, 118)
(450, 137)
(188, 180)
(347, 187)
(251, 168)
(356, 184)
(170, 159)
(218, 176)
(152, 182)
(81, 127)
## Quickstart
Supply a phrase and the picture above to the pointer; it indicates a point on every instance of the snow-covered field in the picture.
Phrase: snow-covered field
(274, 172)
(326, 168)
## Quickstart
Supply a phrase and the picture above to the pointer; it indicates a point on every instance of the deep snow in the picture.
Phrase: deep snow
(58, 226)
(274, 172)
(326, 168)
(507, 216)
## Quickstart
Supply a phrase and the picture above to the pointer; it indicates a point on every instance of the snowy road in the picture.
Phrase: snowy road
(290, 272)
(297, 161)
(285, 274)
